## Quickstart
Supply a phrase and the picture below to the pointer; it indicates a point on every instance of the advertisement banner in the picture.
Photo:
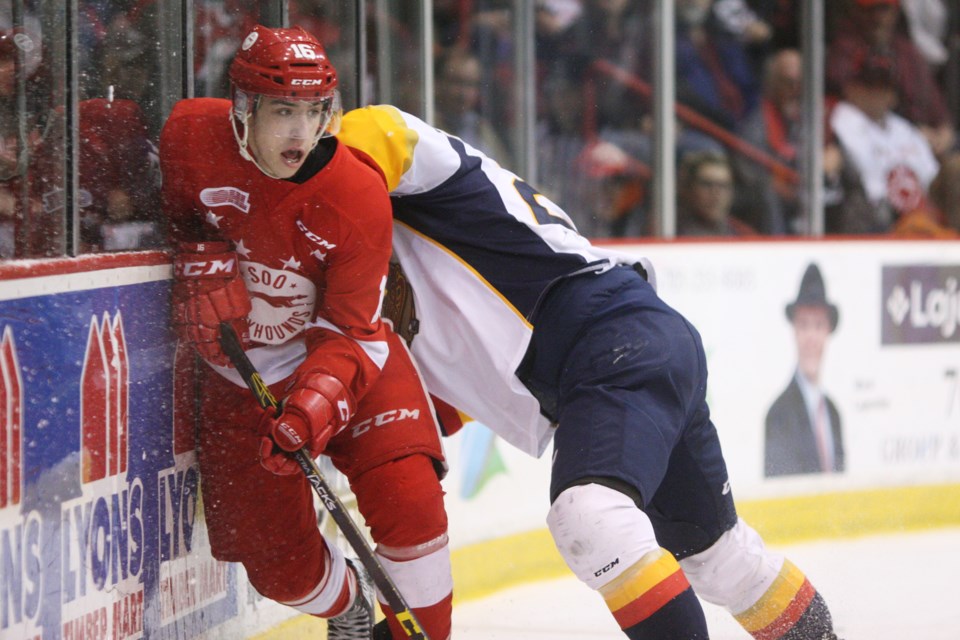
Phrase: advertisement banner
(872, 324)
(101, 528)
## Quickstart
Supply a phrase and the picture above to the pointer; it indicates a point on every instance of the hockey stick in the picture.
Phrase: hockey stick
(231, 346)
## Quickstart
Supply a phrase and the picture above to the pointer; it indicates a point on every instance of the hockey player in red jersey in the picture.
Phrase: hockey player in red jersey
(532, 330)
(286, 234)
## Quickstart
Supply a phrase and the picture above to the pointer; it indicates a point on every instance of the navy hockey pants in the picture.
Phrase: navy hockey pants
(625, 377)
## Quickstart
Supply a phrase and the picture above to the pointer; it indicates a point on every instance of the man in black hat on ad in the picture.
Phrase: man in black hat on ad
(803, 432)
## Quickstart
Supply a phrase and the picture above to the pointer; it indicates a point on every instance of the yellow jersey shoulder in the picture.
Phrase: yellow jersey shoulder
(381, 132)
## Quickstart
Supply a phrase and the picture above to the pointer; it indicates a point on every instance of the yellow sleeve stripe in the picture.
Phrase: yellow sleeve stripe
(381, 133)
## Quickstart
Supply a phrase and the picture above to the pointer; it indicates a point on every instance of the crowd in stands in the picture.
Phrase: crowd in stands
(890, 156)
(890, 153)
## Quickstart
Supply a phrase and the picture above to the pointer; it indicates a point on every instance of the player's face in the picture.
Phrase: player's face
(282, 133)
(811, 326)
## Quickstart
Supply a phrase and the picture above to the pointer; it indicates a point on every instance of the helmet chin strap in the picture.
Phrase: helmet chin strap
(243, 142)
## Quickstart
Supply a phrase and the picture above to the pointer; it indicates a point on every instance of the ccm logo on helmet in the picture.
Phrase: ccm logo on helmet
(306, 82)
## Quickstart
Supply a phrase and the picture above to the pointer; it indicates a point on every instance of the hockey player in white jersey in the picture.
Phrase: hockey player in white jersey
(528, 328)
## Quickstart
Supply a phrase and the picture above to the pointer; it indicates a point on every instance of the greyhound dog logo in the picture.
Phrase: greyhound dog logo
(104, 400)
(11, 422)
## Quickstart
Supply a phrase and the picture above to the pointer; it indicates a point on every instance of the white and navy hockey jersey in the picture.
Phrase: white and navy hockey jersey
(479, 246)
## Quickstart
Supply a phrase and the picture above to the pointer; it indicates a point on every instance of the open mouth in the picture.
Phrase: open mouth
(292, 156)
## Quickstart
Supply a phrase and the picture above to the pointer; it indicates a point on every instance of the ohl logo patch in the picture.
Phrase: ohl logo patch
(11, 423)
(104, 400)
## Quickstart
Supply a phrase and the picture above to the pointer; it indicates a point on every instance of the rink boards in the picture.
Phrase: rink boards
(101, 525)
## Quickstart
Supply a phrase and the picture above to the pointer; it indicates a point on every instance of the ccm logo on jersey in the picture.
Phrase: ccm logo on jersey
(314, 238)
(385, 418)
(206, 268)
(226, 197)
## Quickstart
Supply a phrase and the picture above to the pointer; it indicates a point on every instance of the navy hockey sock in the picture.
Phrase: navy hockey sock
(679, 619)
(654, 600)
(791, 609)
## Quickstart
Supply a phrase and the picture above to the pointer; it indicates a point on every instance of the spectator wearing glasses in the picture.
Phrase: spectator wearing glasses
(705, 196)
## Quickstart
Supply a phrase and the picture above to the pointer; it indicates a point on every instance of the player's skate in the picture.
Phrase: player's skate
(356, 623)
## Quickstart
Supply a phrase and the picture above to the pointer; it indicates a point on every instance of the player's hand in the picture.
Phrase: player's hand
(318, 407)
(208, 290)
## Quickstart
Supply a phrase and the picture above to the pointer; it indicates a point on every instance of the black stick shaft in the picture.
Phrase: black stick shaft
(231, 346)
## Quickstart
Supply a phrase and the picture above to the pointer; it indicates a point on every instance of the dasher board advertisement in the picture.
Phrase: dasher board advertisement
(864, 333)
(101, 528)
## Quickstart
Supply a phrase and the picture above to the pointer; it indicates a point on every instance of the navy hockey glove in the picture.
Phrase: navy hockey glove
(317, 409)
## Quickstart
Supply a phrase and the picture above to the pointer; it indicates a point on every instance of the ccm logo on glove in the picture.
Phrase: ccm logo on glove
(208, 290)
(318, 408)
(206, 268)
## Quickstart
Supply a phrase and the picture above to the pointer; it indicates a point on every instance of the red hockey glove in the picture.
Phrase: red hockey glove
(318, 408)
(208, 290)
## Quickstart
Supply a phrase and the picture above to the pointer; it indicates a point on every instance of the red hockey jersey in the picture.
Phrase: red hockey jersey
(314, 256)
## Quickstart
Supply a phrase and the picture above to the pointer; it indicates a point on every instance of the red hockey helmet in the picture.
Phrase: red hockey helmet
(287, 63)
(282, 63)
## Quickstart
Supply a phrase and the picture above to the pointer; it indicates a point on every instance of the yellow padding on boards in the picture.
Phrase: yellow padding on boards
(487, 567)
(852, 514)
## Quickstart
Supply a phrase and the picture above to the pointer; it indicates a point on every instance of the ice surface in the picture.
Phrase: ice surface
(883, 587)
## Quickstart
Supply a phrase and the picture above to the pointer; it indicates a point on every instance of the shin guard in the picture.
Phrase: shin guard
(610, 545)
(766, 593)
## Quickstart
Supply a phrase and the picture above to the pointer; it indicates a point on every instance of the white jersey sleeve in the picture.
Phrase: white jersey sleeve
(480, 247)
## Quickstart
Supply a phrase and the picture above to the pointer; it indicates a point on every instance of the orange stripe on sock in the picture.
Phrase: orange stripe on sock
(775, 601)
(651, 601)
(639, 578)
(791, 615)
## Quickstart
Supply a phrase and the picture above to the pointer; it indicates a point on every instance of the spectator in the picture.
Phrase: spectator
(600, 177)
(616, 31)
(770, 199)
(452, 24)
(119, 178)
(872, 29)
(20, 134)
(562, 144)
(714, 72)
(129, 68)
(553, 20)
(220, 27)
(458, 103)
(888, 161)
(705, 194)
(927, 22)
(737, 17)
